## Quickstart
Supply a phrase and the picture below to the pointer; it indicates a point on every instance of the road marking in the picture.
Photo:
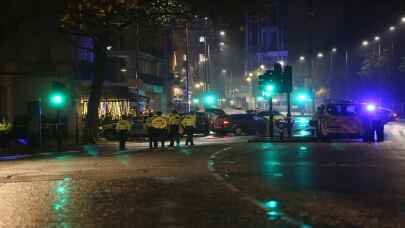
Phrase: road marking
(246, 197)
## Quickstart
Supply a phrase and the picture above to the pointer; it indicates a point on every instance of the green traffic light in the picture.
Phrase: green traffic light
(270, 88)
(210, 100)
(303, 97)
(196, 101)
(57, 99)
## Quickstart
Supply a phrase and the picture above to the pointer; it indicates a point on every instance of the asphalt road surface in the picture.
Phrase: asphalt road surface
(339, 184)
(159, 188)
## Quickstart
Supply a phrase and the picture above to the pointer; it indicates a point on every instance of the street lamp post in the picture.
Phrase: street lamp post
(188, 69)
(377, 39)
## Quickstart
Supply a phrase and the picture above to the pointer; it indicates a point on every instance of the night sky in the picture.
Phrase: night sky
(336, 22)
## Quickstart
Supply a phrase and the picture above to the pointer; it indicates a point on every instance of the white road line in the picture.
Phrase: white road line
(246, 197)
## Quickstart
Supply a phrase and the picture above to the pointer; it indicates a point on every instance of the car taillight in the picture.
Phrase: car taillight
(226, 122)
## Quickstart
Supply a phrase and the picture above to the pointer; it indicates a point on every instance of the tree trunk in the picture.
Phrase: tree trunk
(95, 94)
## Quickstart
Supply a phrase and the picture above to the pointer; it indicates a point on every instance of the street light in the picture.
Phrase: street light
(377, 38)
(334, 50)
(365, 43)
(224, 71)
(403, 19)
(392, 28)
(302, 58)
(263, 67)
(250, 74)
(109, 48)
(197, 86)
(124, 70)
(222, 33)
(202, 39)
(248, 79)
(320, 55)
(281, 62)
(221, 44)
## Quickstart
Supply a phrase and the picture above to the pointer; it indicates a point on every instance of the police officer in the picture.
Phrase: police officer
(123, 126)
(149, 129)
(189, 124)
(174, 127)
(159, 125)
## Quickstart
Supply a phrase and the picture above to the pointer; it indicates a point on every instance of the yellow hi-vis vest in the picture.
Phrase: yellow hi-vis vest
(189, 121)
(123, 125)
(5, 127)
(174, 119)
(148, 122)
(159, 122)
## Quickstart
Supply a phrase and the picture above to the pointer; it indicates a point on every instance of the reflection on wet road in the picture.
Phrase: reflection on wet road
(339, 183)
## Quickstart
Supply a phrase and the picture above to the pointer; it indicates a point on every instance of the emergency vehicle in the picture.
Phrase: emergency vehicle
(349, 120)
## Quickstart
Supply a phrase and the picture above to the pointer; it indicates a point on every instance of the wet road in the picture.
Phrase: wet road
(164, 188)
(320, 184)
(325, 184)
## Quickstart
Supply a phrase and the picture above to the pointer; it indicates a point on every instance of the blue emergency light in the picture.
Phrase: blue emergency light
(371, 107)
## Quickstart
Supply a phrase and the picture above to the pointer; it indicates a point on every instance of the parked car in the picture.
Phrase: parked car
(349, 120)
(212, 114)
(277, 116)
(388, 114)
(240, 124)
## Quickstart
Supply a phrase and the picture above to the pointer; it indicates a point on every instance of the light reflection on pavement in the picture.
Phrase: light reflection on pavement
(344, 183)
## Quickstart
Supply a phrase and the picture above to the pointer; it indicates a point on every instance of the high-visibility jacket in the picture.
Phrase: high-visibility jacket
(189, 121)
(123, 125)
(148, 121)
(5, 127)
(159, 122)
(174, 119)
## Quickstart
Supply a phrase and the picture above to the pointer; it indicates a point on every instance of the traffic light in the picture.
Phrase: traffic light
(58, 95)
(276, 80)
(287, 80)
(302, 97)
(210, 99)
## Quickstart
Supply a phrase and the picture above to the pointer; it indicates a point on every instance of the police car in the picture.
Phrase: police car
(349, 120)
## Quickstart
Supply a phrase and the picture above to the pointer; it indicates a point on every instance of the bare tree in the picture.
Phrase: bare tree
(101, 21)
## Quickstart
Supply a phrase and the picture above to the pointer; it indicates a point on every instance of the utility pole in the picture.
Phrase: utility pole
(137, 52)
(188, 68)
(270, 121)
(311, 84)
